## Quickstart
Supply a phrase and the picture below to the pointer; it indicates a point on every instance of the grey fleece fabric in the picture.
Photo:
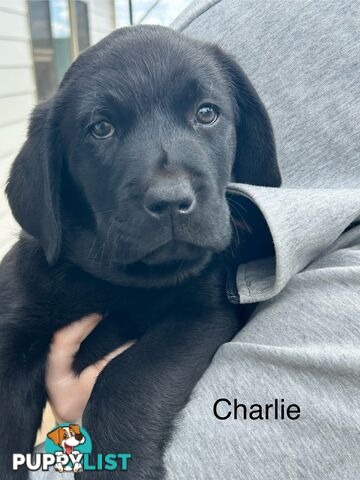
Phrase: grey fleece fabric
(302, 343)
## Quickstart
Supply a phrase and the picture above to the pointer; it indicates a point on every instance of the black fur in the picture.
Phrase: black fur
(89, 244)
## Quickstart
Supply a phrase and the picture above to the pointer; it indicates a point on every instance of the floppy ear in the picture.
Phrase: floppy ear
(55, 436)
(34, 183)
(255, 161)
(75, 428)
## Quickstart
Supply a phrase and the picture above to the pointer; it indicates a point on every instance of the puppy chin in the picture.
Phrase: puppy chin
(160, 269)
(172, 263)
(173, 252)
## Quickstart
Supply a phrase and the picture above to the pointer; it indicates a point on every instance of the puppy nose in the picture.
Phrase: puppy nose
(170, 197)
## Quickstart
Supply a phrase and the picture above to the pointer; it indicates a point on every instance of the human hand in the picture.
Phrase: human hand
(69, 393)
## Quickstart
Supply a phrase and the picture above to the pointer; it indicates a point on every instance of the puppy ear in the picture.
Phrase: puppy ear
(255, 161)
(34, 183)
(55, 436)
(75, 428)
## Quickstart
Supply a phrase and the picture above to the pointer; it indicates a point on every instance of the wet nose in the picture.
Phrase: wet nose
(175, 197)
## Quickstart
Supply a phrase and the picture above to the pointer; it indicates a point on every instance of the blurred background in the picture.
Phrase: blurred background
(38, 41)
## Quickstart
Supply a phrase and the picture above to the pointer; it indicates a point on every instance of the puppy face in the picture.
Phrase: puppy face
(67, 437)
(140, 142)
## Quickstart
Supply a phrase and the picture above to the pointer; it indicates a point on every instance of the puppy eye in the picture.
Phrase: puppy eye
(65, 435)
(102, 130)
(207, 114)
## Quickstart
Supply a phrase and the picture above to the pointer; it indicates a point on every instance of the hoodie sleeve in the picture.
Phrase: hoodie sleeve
(304, 223)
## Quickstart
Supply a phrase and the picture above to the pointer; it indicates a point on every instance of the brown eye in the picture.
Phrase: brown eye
(102, 129)
(207, 114)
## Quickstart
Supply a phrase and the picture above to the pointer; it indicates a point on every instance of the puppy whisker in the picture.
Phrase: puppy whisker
(235, 203)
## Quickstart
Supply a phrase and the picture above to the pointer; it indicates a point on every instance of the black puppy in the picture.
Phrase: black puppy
(121, 191)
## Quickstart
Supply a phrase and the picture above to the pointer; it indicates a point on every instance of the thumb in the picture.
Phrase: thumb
(90, 373)
(65, 344)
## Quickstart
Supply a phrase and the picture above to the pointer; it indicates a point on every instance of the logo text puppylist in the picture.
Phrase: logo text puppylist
(67, 449)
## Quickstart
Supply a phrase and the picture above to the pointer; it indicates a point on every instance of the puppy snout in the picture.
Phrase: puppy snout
(170, 197)
(79, 437)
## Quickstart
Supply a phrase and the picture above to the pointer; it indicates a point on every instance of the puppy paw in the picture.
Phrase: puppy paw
(77, 467)
(59, 467)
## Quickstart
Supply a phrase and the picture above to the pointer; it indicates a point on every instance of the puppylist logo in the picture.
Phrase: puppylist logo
(67, 449)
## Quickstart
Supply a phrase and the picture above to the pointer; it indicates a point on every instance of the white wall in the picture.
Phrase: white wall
(18, 89)
(17, 97)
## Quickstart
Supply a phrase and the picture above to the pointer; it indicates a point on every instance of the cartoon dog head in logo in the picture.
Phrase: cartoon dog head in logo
(67, 438)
